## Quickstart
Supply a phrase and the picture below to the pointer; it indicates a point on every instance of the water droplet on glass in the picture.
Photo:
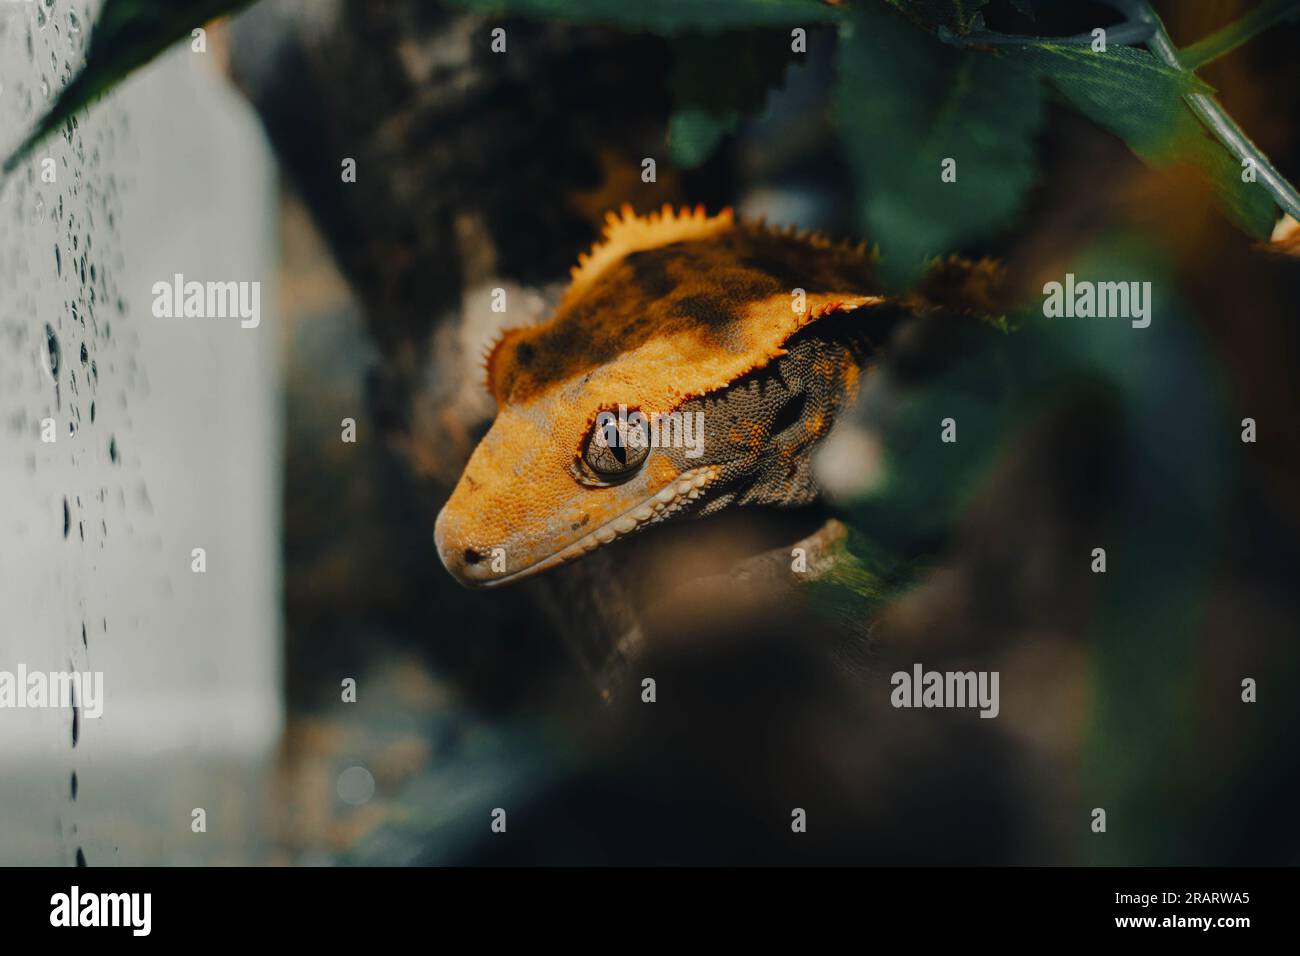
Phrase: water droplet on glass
(76, 714)
(52, 344)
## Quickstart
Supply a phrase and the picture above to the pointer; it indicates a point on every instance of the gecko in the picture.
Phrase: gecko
(761, 334)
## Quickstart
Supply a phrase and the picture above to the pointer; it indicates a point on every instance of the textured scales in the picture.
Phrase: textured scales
(670, 312)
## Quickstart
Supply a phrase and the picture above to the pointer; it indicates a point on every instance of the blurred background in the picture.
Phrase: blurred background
(476, 170)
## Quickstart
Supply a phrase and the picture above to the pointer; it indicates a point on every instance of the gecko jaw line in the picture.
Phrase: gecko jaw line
(674, 496)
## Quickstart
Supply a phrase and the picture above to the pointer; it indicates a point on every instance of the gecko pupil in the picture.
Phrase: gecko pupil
(617, 448)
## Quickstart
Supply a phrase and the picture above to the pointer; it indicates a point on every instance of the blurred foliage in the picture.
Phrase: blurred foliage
(960, 16)
(919, 81)
(1169, 463)
(665, 16)
(718, 80)
(905, 104)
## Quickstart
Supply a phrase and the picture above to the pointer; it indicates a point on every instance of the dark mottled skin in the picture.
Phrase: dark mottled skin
(705, 287)
(760, 431)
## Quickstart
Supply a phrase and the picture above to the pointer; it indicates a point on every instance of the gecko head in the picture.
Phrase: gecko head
(531, 499)
(677, 376)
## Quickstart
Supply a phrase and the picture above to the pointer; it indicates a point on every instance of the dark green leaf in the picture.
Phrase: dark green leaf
(957, 15)
(127, 35)
(717, 80)
(997, 385)
(905, 103)
(1161, 441)
(1139, 99)
(693, 134)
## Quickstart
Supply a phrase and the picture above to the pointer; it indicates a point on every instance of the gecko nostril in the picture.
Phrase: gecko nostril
(472, 556)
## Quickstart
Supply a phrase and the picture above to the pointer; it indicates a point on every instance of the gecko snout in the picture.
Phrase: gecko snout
(469, 565)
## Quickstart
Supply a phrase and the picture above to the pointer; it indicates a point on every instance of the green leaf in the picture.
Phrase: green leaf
(717, 80)
(665, 16)
(1141, 92)
(693, 134)
(1224, 41)
(999, 386)
(991, 384)
(957, 15)
(127, 35)
(904, 104)
(1139, 99)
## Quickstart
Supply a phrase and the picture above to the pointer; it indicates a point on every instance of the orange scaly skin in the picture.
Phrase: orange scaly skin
(674, 311)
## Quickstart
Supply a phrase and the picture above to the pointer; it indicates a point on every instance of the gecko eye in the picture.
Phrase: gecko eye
(617, 446)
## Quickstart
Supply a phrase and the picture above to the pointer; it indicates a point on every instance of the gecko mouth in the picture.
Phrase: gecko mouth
(683, 492)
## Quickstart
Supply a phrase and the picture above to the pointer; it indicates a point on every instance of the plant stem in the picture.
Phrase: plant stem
(1237, 32)
(1208, 110)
